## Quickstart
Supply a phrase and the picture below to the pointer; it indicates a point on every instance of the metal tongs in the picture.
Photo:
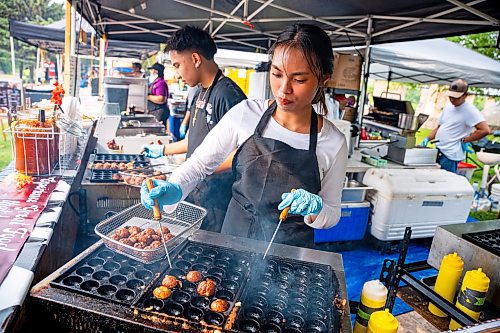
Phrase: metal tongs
(157, 217)
(283, 216)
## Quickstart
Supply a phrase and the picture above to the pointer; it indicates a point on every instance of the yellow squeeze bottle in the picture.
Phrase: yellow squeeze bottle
(373, 298)
(472, 295)
(382, 322)
(447, 280)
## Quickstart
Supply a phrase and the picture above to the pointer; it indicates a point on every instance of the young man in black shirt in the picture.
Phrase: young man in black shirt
(192, 53)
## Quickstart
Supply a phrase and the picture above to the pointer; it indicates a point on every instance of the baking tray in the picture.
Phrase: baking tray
(109, 276)
(488, 240)
(118, 158)
(182, 223)
(285, 295)
(228, 268)
(103, 176)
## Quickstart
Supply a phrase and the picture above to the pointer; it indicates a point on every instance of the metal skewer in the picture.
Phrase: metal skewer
(283, 216)
(157, 217)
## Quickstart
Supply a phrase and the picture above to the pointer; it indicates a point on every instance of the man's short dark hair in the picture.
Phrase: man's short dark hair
(137, 64)
(193, 39)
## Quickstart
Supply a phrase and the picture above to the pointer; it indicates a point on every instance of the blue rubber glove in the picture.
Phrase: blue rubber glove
(153, 151)
(301, 202)
(467, 147)
(182, 131)
(165, 192)
(425, 142)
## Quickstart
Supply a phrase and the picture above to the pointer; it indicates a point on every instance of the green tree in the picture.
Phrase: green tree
(32, 11)
(484, 43)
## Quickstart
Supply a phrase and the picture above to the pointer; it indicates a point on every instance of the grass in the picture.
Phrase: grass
(5, 148)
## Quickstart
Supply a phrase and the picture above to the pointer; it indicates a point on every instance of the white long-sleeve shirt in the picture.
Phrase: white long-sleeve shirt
(239, 124)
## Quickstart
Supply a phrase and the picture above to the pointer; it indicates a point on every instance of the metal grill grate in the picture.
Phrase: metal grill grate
(182, 222)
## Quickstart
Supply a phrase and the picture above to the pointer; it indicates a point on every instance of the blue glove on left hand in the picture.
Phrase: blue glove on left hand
(152, 151)
(425, 142)
(166, 193)
(301, 202)
(182, 131)
(467, 147)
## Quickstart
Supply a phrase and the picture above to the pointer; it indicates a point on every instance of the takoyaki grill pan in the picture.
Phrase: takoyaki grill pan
(488, 240)
(106, 175)
(109, 276)
(284, 295)
(228, 268)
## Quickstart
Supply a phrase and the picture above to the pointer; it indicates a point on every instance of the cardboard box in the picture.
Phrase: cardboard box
(346, 71)
(349, 114)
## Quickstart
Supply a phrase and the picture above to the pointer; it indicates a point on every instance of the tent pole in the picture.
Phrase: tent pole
(73, 29)
(12, 56)
(102, 44)
(67, 47)
(366, 70)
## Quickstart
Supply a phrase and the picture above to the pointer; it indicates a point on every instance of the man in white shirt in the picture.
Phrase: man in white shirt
(455, 127)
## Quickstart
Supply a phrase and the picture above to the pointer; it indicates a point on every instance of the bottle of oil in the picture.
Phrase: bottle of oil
(447, 280)
(472, 295)
(382, 322)
(373, 298)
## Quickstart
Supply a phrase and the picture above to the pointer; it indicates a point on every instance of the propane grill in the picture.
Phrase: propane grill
(294, 290)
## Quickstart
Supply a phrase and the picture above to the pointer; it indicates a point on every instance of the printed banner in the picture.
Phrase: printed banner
(19, 210)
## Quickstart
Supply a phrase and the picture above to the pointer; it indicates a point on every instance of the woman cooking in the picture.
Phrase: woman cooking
(282, 145)
(158, 93)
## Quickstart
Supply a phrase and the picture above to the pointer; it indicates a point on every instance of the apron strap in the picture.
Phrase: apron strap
(313, 130)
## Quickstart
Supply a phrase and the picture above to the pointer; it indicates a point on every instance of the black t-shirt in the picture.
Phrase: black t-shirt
(225, 94)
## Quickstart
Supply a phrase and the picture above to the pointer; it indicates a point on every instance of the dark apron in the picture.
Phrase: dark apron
(160, 111)
(214, 192)
(264, 169)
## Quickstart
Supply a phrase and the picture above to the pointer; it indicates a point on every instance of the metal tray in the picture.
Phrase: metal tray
(103, 176)
(182, 222)
(109, 276)
(120, 158)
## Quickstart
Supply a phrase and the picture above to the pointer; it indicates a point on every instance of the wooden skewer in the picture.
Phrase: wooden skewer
(156, 207)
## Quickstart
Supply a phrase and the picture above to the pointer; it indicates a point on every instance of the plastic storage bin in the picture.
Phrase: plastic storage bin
(351, 226)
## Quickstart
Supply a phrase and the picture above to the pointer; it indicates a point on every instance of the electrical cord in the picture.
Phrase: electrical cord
(73, 208)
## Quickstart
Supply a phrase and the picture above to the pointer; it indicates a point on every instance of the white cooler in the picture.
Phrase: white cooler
(422, 199)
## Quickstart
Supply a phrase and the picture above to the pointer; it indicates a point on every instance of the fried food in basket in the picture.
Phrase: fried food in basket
(219, 305)
(206, 288)
(162, 292)
(165, 229)
(146, 239)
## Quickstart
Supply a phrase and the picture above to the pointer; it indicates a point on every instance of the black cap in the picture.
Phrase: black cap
(158, 67)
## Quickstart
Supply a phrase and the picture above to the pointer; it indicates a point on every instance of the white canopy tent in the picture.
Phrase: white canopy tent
(432, 61)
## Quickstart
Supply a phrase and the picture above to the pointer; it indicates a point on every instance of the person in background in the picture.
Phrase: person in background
(192, 51)
(281, 145)
(351, 101)
(137, 70)
(158, 93)
(454, 133)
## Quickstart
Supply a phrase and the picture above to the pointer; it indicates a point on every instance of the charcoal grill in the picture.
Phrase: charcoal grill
(295, 290)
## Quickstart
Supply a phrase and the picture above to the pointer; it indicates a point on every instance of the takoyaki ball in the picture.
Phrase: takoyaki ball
(122, 166)
(113, 165)
(206, 288)
(194, 276)
(130, 165)
(116, 176)
(165, 230)
(149, 231)
(140, 245)
(155, 244)
(98, 165)
(133, 238)
(156, 238)
(126, 179)
(170, 281)
(219, 305)
(134, 230)
(162, 292)
(126, 241)
(123, 232)
(106, 165)
(169, 237)
(116, 236)
(144, 238)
